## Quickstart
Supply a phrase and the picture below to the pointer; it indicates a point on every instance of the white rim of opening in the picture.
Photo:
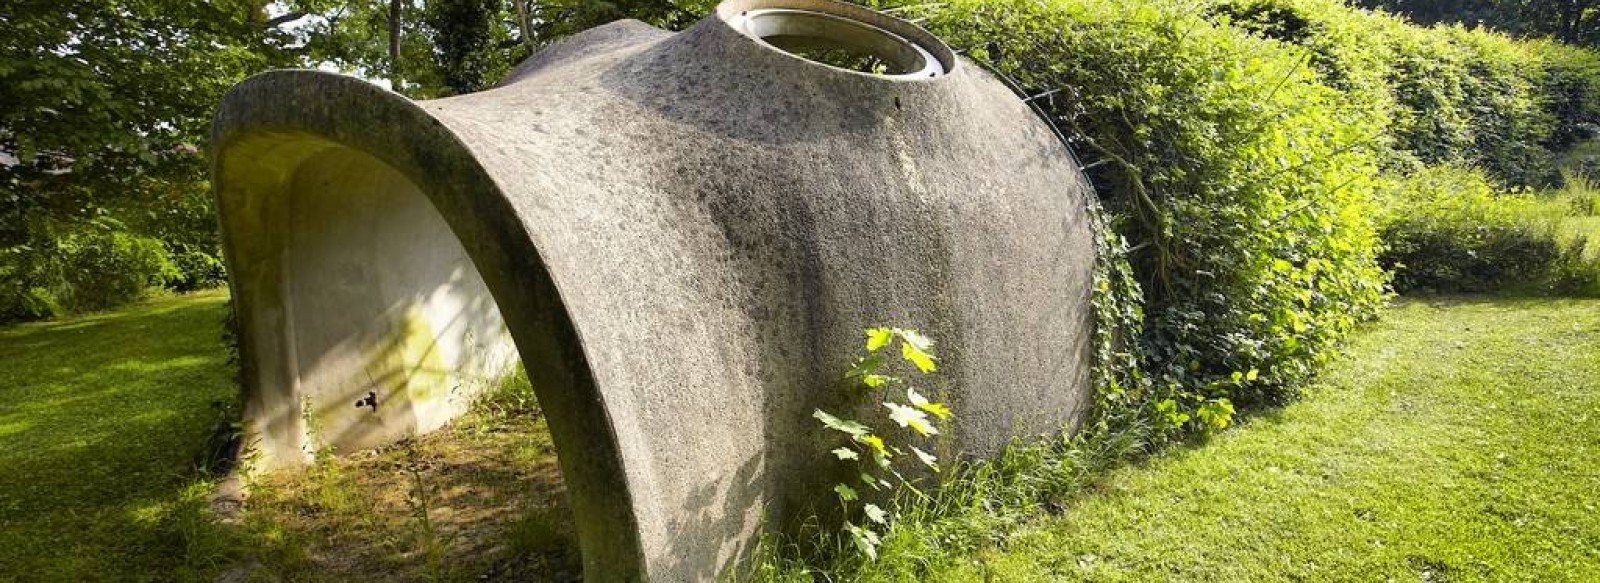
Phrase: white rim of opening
(906, 55)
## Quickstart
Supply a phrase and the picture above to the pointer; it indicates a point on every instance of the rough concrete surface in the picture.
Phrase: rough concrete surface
(682, 236)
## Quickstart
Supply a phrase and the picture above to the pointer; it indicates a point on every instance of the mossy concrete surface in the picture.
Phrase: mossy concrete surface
(685, 235)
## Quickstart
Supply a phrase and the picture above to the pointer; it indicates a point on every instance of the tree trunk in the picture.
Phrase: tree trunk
(523, 23)
(1570, 14)
(396, 81)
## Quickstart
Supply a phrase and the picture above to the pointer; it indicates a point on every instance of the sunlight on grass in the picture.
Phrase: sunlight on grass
(102, 419)
(103, 423)
(494, 502)
(1455, 441)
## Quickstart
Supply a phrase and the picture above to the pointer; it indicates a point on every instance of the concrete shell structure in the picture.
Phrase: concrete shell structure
(682, 236)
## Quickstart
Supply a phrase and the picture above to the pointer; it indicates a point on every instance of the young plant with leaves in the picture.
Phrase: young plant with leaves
(881, 460)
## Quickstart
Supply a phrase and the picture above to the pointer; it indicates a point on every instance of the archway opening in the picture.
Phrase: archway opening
(382, 365)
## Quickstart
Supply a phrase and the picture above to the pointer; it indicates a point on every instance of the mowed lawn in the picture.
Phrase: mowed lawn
(1457, 440)
(103, 419)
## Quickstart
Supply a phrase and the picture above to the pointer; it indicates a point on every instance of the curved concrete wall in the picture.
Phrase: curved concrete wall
(685, 235)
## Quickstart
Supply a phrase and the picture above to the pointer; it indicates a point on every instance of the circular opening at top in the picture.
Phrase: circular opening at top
(839, 42)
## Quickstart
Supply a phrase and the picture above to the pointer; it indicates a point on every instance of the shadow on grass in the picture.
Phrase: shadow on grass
(479, 500)
(106, 416)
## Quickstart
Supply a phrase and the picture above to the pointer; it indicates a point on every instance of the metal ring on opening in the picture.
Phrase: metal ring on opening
(817, 36)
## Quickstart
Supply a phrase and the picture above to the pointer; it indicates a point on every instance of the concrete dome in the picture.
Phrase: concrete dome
(682, 236)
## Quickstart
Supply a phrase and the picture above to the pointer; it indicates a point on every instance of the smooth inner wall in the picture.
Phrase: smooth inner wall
(382, 302)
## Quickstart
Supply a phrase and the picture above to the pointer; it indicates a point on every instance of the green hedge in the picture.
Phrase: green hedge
(1241, 181)
(1244, 149)
(1448, 230)
(1446, 95)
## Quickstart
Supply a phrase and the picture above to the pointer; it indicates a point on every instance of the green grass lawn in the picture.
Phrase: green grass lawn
(1457, 440)
(102, 422)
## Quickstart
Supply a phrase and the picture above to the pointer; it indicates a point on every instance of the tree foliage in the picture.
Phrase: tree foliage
(103, 109)
(1570, 21)
(464, 35)
(105, 106)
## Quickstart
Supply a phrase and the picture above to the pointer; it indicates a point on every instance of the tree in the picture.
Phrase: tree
(1570, 21)
(473, 47)
(396, 80)
(558, 19)
(104, 106)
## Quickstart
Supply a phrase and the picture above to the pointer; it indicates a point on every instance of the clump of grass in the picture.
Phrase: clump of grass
(1581, 192)
(510, 398)
(430, 541)
(976, 507)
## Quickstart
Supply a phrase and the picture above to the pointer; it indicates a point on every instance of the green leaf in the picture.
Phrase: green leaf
(923, 361)
(876, 380)
(937, 409)
(866, 541)
(878, 338)
(846, 453)
(872, 441)
(852, 428)
(915, 339)
(1217, 414)
(1251, 376)
(865, 366)
(876, 514)
(870, 480)
(927, 458)
(845, 493)
(912, 418)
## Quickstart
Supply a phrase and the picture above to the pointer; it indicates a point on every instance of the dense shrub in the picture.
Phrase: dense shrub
(1448, 230)
(105, 269)
(161, 235)
(197, 267)
(1241, 183)
(1448, 95)
(95, 268)
(183, 217)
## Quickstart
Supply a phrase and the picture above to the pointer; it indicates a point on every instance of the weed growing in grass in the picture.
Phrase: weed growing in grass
(431, 543)
(874, 456)
(510, 398)
(975, 506)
